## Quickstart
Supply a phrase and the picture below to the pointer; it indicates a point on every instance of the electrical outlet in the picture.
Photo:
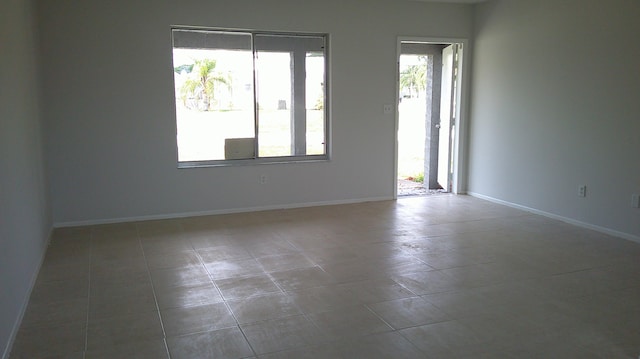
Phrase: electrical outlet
(263, 179)
(387, 108)
(582, 190)
(635, 203)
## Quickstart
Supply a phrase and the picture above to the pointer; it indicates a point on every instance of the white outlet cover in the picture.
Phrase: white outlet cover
(582, 191)
(635, 202)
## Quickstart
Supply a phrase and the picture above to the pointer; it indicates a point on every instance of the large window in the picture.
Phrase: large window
(245, 97)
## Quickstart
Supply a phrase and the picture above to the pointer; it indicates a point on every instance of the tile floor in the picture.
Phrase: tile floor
(432, 277)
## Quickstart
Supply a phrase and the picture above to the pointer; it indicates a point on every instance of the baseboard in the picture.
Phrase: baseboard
(216, 212)
(605, 230)
(18, 322)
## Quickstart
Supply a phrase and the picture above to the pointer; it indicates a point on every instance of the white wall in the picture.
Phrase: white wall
(555, 105)
(24, 218)
(110, 112)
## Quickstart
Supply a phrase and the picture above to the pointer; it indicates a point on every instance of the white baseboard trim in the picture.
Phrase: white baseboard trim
(605, 230)
(23, 309)
(217, 212)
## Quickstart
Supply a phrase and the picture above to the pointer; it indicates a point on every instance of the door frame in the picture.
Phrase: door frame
(458, 152)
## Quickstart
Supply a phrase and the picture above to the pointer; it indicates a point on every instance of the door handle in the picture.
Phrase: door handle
(437, 125)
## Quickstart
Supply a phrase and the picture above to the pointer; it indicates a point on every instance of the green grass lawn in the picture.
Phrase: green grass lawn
(201, 134)
(411, 138)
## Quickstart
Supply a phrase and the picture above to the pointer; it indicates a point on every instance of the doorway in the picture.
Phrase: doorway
(429, 87)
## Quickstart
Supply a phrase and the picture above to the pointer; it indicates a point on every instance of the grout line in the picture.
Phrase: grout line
(153, 290)
(86, 329)
(224, 300)
(379, 317)
(348, 241)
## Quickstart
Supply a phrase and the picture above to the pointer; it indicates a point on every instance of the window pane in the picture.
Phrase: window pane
(214, 95)
(216, 114)
(315, 103)
(275, 103)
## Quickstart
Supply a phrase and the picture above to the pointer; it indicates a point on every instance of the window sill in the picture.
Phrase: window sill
(252, 162)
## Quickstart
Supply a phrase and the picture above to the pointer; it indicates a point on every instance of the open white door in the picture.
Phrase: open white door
(447, 116)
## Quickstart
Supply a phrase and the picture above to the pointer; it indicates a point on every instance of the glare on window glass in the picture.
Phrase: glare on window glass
(315, 103)
(242, 95)
(275, 103)
(214, 100)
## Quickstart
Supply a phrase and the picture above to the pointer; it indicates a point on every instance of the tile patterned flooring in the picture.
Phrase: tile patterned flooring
(431, 277)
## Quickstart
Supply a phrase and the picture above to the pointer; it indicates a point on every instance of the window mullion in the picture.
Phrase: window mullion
(256, 108)
(299, 113)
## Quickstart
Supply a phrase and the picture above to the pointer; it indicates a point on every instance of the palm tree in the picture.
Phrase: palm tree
(414, 77)
(202, 83)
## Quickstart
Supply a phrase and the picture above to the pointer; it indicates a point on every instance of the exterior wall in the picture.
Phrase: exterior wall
(434, 84)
